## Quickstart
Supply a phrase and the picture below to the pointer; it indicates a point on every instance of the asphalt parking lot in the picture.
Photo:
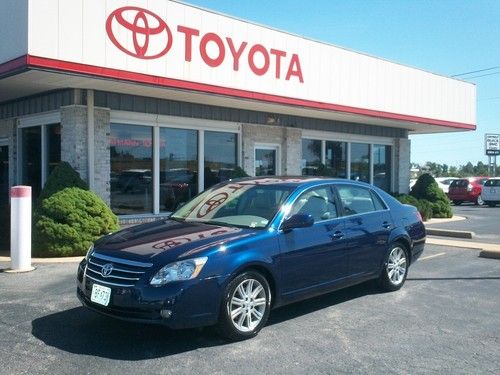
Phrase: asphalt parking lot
(445, 320)
(482, 220)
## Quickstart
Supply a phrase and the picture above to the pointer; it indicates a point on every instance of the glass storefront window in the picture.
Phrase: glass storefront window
(311, 157)
(178, 167)
(336, 159)
(131, 155)
(53, 147)
(360, 162)
(382, 167)
(41, 153)
(220, 157)
(32, 159)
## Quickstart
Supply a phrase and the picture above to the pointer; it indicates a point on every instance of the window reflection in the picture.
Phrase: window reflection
(311, 157)
(382, 167)
(131, 155)
(360, 162)
(220, 157)
(53, 147)
(32, 159)
(178, 167)
(336, 159)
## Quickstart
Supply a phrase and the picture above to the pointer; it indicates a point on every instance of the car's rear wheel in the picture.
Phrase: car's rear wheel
(479, 200)
(395, 269)
(245, 306)
(457, 203)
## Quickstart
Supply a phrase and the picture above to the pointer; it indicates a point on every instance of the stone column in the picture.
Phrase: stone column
(74, 145)
(403, 150)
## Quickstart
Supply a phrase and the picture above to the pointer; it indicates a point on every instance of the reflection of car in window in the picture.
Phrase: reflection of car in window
(133, 180)
(176, 186)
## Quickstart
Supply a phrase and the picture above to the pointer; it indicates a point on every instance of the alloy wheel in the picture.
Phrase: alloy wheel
(247, 305)
(396, 266)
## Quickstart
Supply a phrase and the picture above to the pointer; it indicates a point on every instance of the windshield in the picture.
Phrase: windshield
(247, 204)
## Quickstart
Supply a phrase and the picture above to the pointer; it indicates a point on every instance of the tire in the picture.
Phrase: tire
(252, 316)
(479, 201)
(389, 280)
(457, 203)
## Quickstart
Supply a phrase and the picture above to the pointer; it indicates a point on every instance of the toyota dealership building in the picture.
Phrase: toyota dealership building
(154, 101)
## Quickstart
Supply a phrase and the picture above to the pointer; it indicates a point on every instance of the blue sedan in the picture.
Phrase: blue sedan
(234, 252)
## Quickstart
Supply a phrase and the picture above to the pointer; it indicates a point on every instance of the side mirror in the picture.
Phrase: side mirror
(297, 221)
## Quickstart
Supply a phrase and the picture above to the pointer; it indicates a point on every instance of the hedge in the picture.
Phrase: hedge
(69, 221)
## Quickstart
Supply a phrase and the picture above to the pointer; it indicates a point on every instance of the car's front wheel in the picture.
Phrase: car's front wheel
(245, 306)
(395, 268)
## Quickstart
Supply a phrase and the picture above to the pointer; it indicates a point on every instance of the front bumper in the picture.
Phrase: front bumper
(193, 303)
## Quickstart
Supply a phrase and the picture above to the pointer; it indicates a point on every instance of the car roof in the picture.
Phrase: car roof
(296, 181)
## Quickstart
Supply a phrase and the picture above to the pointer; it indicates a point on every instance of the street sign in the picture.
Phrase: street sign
(492, 144)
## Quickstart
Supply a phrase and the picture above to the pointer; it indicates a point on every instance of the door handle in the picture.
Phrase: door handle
(386, 225)
(337, 235)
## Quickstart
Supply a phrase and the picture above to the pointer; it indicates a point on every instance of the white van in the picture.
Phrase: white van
(491, 192)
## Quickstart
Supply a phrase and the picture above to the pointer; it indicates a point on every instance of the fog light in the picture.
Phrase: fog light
(165, 314)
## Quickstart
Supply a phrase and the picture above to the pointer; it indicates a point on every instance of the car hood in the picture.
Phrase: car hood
(168, 240)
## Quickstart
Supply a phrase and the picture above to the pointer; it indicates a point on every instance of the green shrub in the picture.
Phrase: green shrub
(407, 199)
(427, 189)
(69, 221)
(63, 176)
(419, 190)
(425, 209)
(441, 209)
(238, 172)
(423, 206)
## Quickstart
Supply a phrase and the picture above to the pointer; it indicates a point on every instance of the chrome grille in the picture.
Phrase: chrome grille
(124, 273)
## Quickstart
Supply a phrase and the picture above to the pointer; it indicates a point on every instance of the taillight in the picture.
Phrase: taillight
(469, 187)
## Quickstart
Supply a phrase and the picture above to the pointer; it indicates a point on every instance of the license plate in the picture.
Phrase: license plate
(100, 294)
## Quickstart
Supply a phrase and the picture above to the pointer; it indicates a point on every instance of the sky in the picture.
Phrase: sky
(447, 37)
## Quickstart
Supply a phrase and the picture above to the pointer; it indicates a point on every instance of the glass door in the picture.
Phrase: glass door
(266, 160)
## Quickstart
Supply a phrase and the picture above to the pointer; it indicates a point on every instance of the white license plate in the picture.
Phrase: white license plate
(100, 294)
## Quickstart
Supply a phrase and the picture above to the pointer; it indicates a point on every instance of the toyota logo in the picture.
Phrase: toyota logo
(106, 270)
(150, 35)
(211, 204)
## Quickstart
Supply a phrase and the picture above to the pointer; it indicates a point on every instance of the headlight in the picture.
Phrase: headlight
(89, 252)
(183, 270)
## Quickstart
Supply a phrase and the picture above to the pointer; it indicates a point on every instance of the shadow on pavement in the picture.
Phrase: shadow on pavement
(81, 331)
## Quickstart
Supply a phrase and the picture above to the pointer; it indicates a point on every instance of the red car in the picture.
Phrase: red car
(467, 190)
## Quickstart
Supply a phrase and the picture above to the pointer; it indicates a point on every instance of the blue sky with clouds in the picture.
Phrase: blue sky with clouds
(442, 36)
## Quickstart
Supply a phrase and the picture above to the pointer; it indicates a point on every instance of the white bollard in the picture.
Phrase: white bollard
(20, 228)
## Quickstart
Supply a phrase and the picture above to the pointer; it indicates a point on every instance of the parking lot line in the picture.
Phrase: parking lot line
(432, 256)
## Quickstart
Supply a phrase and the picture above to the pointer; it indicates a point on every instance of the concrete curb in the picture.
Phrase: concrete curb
(49, 260)
(450, 233)
(490, 254)
(488, 250)
(446, 220)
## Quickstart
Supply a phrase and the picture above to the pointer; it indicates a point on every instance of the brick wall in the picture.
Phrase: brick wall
(74, 145)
